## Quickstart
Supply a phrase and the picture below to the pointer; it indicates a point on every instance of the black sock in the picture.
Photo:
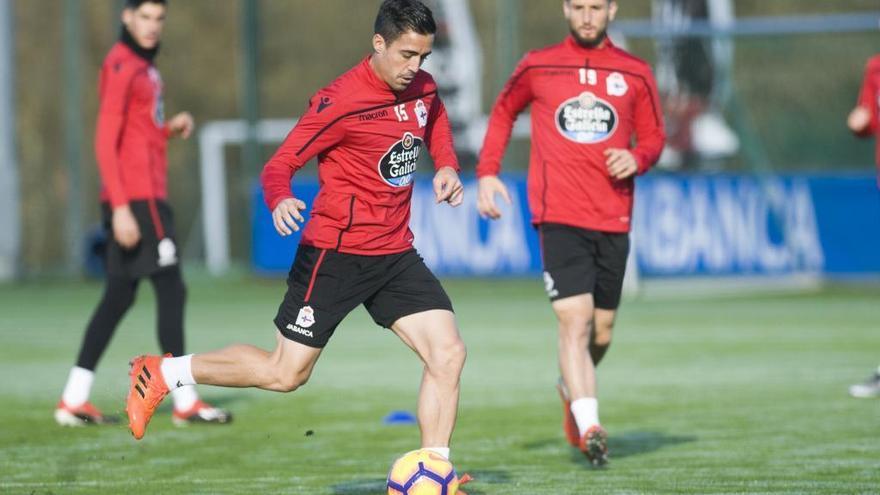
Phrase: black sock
(170, 300)
(119, 293)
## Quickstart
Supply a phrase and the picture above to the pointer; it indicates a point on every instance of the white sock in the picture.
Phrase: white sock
(79, 386)
(586, 413)
(177, 372)
(444, 451)
(184, 397)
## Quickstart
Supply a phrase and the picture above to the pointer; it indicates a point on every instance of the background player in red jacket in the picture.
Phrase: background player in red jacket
(368, 129)
(864, 121)
(588, 99)
(130, 146)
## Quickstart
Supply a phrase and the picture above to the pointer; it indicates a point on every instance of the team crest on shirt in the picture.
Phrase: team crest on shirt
(398, 166)
(586, 119)
(616, 85)
(421, 113)
(306, 317)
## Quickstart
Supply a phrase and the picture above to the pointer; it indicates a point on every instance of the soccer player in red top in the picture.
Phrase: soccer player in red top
(864, 121)
(589, 101)
(368, 129)
(130, 146)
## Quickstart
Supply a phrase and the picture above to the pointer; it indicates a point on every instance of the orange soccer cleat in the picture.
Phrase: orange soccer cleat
(146, 391)
(464, 480)
(594, 445)
(569, 425)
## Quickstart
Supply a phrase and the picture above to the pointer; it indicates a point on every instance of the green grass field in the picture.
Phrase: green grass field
(734, 395)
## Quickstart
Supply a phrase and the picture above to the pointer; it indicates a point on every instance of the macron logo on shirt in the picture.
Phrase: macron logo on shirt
(324, 103)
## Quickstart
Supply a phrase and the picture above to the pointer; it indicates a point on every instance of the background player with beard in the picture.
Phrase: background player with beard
(357, 247)
(130, 145)
(589, 99)
(864, 121)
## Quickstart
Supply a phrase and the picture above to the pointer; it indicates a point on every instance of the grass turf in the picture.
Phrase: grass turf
(734, 395)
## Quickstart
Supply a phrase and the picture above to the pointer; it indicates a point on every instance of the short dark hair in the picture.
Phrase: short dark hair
(135, 4)
(396, 17)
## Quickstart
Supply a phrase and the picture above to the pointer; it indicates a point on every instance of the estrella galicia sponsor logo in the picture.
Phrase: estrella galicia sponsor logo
(586, 119)
(301, 331)
(399, 163)
(379, 114)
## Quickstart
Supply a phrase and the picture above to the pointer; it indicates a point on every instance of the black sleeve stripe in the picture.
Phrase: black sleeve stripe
(654, 104)
(356, 112)
(513, 80)
(350, 223)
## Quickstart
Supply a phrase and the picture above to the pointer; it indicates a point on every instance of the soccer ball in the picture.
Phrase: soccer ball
(422, 472)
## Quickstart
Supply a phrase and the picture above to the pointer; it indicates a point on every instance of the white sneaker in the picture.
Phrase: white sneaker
(712, 138)
(201, 412)
(82, 415)
(867, 390)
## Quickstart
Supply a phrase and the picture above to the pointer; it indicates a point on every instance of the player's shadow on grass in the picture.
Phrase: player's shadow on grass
(376, 486)
(642, 442)
(623, 444)
(636, 443)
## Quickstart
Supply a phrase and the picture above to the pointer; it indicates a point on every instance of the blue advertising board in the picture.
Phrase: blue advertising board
(694, 225)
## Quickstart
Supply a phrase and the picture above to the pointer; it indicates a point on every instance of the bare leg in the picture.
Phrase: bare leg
(433, 335)
(285, 369)
(575, 319)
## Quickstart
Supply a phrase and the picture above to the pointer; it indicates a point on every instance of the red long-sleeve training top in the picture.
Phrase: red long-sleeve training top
(584, 101)
(368, 140)
(869, 98)
(131, 136)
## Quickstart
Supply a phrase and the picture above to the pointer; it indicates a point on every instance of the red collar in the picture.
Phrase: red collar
(373, 79)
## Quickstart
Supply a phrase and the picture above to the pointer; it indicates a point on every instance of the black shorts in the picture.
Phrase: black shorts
(157, 249)
(325, 285)
(581, 261)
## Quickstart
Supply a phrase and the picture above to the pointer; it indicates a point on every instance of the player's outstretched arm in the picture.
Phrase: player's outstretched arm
(448, 186)
(488, 187)
(181, 125)
(286, 215)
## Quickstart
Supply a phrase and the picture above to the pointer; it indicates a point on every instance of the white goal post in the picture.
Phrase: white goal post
(213, 138)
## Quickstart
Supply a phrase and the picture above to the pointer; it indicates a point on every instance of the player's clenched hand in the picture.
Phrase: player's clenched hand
(448, 187)
(859, 119)
(287, 214)
(125, 227)
(182, 124)
(621, 163)
(488, 187)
